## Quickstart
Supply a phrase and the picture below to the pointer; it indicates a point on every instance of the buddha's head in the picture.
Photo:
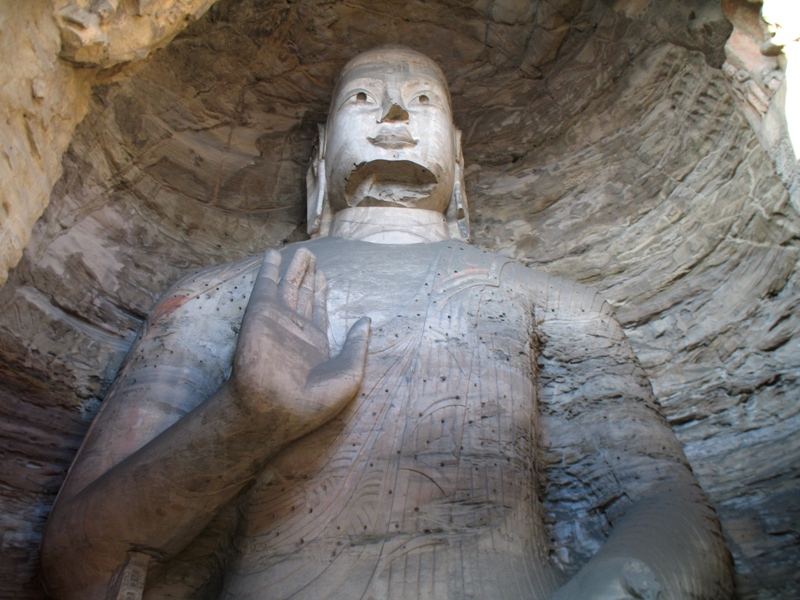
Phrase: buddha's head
(389, 142)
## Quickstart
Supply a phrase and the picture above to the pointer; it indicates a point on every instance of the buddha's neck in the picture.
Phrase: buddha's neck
(389, 225)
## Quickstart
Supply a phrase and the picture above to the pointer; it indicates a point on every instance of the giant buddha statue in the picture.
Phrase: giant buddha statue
(383, 411)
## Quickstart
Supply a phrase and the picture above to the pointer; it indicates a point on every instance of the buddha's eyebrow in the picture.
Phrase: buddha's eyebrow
(424, 83)
(362, 82)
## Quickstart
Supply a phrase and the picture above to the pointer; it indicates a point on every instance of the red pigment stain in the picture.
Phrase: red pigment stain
(167, 307)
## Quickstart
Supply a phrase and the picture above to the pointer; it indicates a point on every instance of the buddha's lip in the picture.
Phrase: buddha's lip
(393, 141)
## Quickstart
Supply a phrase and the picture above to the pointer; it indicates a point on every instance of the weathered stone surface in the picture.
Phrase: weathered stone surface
(613, 154)
(36, 91)
(762, 56)
(43, 98)
(110, 33)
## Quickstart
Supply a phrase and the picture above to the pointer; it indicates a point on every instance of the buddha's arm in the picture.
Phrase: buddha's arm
(610, 456)
(162, 495)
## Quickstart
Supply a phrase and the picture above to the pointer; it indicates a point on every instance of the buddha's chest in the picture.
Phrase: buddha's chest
(434, 459)
(440, 438)
(432, 464)
(449, 388)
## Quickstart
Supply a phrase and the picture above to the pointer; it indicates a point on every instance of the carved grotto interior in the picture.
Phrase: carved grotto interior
(642, 148)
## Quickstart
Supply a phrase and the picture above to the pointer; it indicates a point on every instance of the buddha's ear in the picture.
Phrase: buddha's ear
(458, 210)
(318, 215)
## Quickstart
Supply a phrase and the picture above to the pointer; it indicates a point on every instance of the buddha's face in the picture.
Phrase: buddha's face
(390, 134)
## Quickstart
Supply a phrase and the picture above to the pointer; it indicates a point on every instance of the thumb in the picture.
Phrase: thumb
(336, 381)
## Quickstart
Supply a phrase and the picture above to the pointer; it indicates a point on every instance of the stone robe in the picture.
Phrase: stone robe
(502, 417)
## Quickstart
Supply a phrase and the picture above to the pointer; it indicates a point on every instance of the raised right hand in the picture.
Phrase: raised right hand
(282, 368)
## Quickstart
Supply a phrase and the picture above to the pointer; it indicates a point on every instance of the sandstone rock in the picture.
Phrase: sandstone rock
(43, 98)
(36, 90)
(765, 80)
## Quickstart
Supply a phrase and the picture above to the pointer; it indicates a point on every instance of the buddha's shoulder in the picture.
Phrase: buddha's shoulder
(210, 278)
(562, 296)
(553, 295)
(217, 293)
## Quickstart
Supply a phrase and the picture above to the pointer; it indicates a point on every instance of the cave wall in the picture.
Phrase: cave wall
(37, 91)
(53, 52)
(603, 141)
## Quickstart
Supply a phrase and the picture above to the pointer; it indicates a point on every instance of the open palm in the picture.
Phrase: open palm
(282, 367)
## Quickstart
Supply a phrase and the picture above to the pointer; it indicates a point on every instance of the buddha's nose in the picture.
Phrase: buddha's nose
(393, 111)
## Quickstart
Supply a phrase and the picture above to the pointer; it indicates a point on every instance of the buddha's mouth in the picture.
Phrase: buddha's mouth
(393, 141)
(389, 183)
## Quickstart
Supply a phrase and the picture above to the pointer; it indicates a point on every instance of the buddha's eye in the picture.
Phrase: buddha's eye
(359, 99)
(425, 99)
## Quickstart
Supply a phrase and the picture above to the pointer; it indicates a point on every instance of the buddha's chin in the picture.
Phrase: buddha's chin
(388, 199)
(402, 184)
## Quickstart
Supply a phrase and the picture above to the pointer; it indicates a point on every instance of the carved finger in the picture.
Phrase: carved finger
(321, 302)
(289, 286)
(305, 298)
(266, 285)
(265, 291)
(335, 382)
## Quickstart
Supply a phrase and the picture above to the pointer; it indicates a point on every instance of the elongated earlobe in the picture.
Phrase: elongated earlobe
(458, 209)
(318, 215)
